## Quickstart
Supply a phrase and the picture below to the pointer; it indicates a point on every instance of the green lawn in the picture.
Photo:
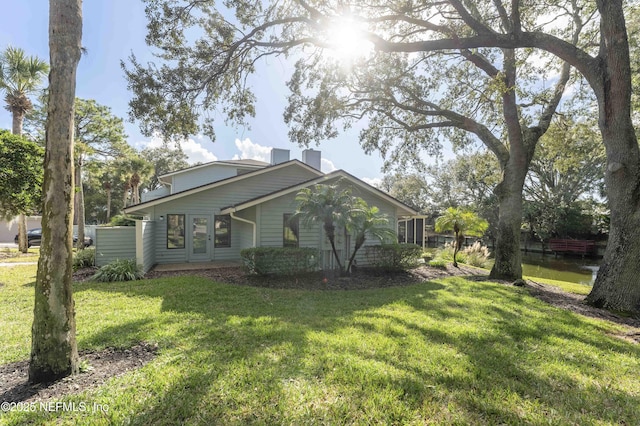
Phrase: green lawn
(446, 352)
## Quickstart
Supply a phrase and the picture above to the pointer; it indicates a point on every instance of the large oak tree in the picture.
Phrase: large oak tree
(212, 74)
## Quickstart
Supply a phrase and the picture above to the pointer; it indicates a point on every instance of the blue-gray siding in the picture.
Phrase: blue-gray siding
(146, 255)
(211, 201)
(115, 243)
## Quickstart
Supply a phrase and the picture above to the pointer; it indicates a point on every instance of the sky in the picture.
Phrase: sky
(112, 29)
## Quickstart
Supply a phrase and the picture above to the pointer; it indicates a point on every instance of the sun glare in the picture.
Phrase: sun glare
(346, 40)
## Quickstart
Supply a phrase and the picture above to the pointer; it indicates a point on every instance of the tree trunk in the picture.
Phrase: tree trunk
(127, 187)
(456, 245)
(330, 231)
(358, 245)
(617, 286)
(54, 352)
(23, 243)
(79, 204)
(108, 205)
(508, 258)
(18, 118)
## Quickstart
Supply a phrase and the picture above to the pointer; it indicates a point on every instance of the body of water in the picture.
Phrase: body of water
(571, 269)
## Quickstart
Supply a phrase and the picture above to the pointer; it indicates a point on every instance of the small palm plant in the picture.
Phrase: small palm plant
(367, 220)
(460, 222)
(326, 204)
(336, 208)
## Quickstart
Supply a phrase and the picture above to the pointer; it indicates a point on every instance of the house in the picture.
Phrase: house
(212, 211)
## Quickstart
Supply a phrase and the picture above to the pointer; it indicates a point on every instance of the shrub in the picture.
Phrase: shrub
(122, 220)
(438, 263)
(446, 253)
(279, 260)
(394, 257)
(84, 259)
(119, 270)
(476, 255)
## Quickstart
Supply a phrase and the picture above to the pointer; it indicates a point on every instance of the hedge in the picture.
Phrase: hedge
(279, 260)
(393, 257)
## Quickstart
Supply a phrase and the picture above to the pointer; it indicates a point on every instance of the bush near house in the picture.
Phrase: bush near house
(119, 270)
(279, 260)
(394, 257)
(123, 220)
(84, 259)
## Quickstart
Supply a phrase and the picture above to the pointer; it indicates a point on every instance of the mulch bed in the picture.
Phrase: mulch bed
(102, 365)
(113, 362)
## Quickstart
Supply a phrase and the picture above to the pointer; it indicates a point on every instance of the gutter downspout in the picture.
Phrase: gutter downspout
(253, 224)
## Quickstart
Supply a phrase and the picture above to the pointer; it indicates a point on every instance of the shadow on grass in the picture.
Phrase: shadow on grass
(533, 355)
(486, 353)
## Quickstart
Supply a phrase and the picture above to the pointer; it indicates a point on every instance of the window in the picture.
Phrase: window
(175, 231)
(223, 231)
(402, 232)
(291, 230)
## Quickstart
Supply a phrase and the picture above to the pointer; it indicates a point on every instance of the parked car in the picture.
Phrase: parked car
(34, 236)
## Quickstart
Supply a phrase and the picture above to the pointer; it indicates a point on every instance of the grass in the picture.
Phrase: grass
(564, 285)
(12, 255)
(446, 352)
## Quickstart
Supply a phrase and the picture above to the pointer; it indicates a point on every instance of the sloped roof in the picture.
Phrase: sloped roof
(247, 162)
(218, 183)
(244, 163)
(330, 176)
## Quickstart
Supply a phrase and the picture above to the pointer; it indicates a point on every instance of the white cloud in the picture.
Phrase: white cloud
(377, 182)
(252, 151)
(195, 152)
(327, 166)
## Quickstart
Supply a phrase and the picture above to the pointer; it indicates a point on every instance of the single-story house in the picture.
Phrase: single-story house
(212, 211)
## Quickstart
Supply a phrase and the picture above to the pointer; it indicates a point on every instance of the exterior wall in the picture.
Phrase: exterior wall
(145, 236)
(210, 202)
(118, 242)
(271, 229)
(246, 229)
(9, 229)
(156, 193)
(272, 225)
(201, 176)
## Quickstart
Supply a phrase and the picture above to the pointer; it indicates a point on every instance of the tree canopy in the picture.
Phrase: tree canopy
(20, 174)
(20, 77)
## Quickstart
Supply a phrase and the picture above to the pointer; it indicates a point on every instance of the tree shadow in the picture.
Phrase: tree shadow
(268, 333)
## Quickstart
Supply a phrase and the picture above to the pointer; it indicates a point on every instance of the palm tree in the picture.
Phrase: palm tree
(20, 76)
(460, 221)
(367, 220)
(127, 188)
(326, 204)
(141, 169)
(106, 185)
